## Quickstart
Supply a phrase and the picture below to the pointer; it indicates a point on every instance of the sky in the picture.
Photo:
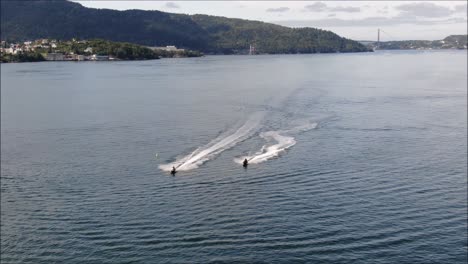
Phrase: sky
(358, 20)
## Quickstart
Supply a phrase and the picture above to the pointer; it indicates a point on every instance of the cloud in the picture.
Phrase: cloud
(461, 8)
(316, 7)
(171, 5)
(424, 9)
(348, 9)
(457, 20)
(322, 7)
(372, 22)
(382, 11)
(279, 9)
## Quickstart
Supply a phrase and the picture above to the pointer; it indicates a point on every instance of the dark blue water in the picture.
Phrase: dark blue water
(375, 172)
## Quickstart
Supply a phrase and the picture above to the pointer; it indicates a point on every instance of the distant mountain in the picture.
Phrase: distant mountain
(25, 20)
(450, 42)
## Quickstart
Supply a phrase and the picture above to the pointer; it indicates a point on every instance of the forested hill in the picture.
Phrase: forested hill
(450, 42)
(24, 20)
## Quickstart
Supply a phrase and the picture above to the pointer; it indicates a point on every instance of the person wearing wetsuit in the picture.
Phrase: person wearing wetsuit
(173, 171)
(246, 162)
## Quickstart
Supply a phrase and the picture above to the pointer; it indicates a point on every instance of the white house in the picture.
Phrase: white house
(99, 57)
(167, 48)
(9, 50)
(54, 57)
(18, 51)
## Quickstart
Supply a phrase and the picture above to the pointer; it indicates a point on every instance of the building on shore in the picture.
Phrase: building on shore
(18, 51)
(54, 57)
(95, 57)
(8, 50)
(167, 48)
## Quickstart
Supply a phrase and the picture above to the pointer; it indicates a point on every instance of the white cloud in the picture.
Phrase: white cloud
(322, 7)
(424, 9)
(279, 9)
(367, 22)
(348, 9)
(461, 8)
(171, 5)
(316, 7)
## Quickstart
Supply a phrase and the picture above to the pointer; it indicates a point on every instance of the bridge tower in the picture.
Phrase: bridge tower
(378, 37)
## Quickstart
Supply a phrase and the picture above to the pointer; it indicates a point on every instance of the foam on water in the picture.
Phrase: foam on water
(283, 143)
(215, 147)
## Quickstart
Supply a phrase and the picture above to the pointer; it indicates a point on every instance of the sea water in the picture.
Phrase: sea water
(354, 158)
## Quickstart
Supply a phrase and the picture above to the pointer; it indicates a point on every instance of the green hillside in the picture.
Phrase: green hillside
(24, 20)
(450, 42)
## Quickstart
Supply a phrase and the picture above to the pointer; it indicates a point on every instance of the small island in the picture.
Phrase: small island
(86, 50)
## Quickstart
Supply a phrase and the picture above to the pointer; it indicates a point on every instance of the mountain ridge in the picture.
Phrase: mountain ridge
(24, 20)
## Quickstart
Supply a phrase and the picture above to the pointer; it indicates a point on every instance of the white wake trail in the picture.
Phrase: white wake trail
(215, 147)
(283, 143)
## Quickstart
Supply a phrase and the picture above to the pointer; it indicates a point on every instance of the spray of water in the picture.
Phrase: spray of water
(215, 147)
(282, 143)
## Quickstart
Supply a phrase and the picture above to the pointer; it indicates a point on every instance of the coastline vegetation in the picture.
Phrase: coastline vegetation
(22, 57)
(121, 50)
(450, 42)
(23, 20)
(100, 47)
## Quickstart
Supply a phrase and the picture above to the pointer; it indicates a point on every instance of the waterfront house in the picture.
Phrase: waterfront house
(99, 57)
(17, 51)
(167, 48)
(9, 50)
(54, 57)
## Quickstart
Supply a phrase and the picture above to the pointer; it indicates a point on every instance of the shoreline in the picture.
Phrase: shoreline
(89, 61)
(210, 55)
